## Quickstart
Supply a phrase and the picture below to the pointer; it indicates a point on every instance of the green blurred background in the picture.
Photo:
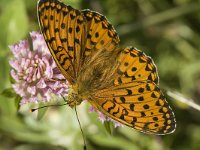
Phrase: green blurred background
(167, 30)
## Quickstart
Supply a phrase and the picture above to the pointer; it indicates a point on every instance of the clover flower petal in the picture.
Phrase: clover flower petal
(104, 118)
(35, 73)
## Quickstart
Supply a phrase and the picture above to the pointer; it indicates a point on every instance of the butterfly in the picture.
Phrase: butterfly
(122, 83)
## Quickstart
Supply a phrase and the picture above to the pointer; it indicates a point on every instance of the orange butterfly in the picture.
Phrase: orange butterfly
(121, 83)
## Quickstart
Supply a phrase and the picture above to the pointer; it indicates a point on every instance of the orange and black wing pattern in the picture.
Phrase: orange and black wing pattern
(74, 36)
(101, 35)
(63, 28)
(135, 99)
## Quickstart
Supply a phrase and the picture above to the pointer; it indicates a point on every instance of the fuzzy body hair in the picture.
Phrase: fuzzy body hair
(98, 72)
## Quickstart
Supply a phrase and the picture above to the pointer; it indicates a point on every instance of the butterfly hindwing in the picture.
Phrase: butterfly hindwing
(140, 105)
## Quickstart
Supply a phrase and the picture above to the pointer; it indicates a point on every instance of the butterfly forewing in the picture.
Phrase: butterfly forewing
(63, 28)
(74, 36)
(100, 33)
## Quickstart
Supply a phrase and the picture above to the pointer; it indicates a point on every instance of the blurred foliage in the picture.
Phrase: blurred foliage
(168, 31)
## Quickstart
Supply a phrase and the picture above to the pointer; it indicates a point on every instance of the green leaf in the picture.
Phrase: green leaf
(12, 81)
(17, 101)
(109, 127)
(9, 92)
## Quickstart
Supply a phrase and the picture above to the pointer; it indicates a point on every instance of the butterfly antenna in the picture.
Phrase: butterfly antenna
(81, 129)
(64, 99)
(56, 105)
(34, 109)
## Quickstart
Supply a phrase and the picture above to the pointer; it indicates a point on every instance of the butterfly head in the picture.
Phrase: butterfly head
(74, 98)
